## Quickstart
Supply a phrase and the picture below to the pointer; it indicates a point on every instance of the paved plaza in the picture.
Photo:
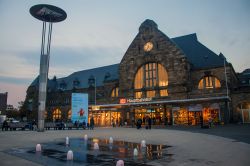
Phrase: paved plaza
(221, 145)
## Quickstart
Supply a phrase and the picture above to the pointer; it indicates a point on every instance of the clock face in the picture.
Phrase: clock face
(148, 46)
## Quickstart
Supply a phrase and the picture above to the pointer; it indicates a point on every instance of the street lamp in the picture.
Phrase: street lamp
(227, 91)
(46, 14)
(225, 71)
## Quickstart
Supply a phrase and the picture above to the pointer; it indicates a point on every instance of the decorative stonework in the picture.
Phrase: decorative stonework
(164, 52)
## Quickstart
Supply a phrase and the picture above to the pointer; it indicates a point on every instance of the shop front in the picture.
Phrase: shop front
(194, 115)
(156, 115)
(172, 112)
(106, 116)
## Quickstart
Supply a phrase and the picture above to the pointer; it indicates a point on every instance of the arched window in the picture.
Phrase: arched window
(209, 82)
(149, 76)
(243, 111)
(69, 114)
(57, 114)
(115, 92)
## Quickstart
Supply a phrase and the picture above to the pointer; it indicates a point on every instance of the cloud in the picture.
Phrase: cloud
(17, 65)
(65, 61)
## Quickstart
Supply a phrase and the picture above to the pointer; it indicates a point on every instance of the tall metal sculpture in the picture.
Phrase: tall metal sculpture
(47, 14)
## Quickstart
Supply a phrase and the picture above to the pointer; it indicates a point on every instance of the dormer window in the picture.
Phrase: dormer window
(107, 76)
(91, 81)
(76, 83)
(63, 85)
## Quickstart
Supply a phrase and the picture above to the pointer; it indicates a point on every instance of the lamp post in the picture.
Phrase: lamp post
(225, 71)
(47, 14)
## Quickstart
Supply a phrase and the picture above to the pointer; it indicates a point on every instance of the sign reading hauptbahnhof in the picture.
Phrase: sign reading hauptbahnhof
(124, 100)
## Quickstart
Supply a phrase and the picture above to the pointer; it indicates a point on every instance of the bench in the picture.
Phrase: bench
(49, 125)
(19, 125)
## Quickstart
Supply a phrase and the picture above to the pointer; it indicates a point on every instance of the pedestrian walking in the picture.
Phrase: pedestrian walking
(138, 123)
(149, 122)
(92, 123)
(210, 121)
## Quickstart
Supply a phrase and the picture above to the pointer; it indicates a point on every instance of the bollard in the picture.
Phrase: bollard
(70, 155)
(38, 148)
(143, 143)
(135, 152)
(96, 146)
(67, 141)
(111, 140)
(120, 163)
(85, 137)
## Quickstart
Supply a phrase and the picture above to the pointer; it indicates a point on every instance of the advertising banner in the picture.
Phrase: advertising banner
(79, 107)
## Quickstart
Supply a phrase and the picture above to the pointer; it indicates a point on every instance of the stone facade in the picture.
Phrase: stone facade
(183, 69)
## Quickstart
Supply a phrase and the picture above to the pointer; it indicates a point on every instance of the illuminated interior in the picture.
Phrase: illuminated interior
(150, 76)
(210, 113)
(57, 114)
(45, 114)
(151, 93)
(105, 118)
(156, 115)
(164, 92)
(115, 92)
(243, 110)
(183, 116)
(69, 114)
(138, 95)
(209, 82)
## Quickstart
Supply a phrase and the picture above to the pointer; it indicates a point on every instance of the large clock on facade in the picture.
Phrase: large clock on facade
(148, 46)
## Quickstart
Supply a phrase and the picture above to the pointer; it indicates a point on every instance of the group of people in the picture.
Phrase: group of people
(118, 123)
(89, 126)
(148, 123)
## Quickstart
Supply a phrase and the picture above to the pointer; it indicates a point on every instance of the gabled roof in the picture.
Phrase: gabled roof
(197, 54)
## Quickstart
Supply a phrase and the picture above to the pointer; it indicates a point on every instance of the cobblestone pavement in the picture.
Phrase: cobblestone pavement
(189, 145)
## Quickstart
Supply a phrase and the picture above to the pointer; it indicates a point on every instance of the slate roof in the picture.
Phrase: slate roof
(101, 74)
(197, 54)
(244, 78)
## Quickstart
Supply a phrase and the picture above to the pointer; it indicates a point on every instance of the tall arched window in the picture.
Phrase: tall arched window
(115, 92)
(57, 114)
(150, 76)
(209, 82)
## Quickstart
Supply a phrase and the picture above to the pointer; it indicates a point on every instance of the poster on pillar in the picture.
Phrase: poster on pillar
(79, 107)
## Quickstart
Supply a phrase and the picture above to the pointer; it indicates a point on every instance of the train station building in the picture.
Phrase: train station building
(171, 80)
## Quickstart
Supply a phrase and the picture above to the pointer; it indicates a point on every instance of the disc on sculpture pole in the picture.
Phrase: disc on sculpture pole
(48, 13)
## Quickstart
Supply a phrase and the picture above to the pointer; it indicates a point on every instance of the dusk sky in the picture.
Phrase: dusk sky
(98, 33)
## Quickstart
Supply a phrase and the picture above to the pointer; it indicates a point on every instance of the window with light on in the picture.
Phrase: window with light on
(150, 76)
(209, 82)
